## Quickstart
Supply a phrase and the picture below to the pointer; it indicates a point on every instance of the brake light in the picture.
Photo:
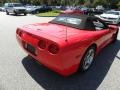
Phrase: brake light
(53, 49)
(19, 32)
(42, 44)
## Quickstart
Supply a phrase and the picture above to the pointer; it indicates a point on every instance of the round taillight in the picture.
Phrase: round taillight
(42, 44)
(20, 34)
(17, 31)
(53, 49)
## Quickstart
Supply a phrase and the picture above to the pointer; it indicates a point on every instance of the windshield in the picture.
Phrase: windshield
(115, 13)
(17, 5)
(68, 20)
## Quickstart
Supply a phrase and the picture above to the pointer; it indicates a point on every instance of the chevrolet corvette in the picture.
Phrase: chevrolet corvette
(68, 43)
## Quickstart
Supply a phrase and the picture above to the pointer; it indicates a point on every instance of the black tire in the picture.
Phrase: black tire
(25, 14)
(7, 12)
(114, 37)
(15, 13)
(83, 64)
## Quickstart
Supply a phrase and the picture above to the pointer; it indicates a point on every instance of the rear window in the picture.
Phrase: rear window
(68, 20)
(75, 21)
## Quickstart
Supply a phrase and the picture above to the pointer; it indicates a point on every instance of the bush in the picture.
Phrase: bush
(56, 11)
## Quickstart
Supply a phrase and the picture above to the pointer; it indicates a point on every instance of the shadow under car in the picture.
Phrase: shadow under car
(90, 80)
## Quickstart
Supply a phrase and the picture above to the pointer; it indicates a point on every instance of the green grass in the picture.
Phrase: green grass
(49, 14)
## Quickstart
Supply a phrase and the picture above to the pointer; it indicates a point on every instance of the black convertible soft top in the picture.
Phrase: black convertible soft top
(86, 21)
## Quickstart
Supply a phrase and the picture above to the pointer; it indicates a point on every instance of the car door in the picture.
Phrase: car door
(10, 7)
(103, 33)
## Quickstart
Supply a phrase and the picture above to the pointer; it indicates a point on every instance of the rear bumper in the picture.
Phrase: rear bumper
(63, 64)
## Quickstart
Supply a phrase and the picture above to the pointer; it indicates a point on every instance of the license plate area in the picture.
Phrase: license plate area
(30, 48)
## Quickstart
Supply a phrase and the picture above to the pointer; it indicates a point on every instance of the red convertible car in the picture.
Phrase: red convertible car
(68, 43)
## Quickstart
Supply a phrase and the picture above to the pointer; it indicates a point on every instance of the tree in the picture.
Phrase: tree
(105, 3)
(66, 2)
(118, 4)
(99, 2)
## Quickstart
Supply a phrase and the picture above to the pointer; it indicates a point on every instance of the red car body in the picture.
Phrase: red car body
(60, 47)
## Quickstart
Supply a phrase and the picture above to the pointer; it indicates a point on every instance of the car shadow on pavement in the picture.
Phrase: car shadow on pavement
(90, 80)
(17, 15)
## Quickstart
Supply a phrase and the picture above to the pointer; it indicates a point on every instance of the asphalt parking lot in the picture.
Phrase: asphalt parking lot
(20, 72)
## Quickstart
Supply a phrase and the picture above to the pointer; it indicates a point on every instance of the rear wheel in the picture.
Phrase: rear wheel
(114, 37)
(7, 12)
(25, 14)
(15, 13)
(87, 59)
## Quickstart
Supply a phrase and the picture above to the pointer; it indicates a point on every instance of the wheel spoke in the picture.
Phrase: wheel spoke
(88, 59)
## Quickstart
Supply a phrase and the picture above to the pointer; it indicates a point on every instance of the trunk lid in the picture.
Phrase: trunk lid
(58, 31)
